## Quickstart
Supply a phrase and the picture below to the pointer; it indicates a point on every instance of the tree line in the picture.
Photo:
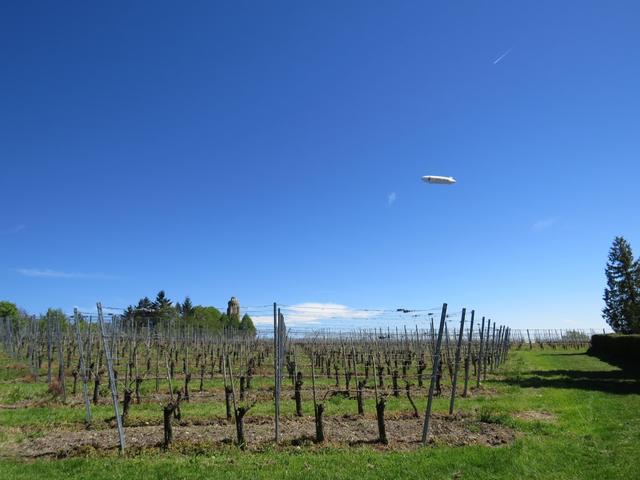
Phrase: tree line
(162, 311)
(158, 312)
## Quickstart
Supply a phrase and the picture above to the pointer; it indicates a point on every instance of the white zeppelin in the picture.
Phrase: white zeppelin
(440, 180)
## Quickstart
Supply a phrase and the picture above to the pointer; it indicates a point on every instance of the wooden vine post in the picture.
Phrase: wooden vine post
(480, 354)
(380, 406)
(318, 408)
(467, 360)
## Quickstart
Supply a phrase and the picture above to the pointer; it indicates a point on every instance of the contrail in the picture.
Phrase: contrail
(502, 56)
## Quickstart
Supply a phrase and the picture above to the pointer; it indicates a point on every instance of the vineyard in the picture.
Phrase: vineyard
(119, 386)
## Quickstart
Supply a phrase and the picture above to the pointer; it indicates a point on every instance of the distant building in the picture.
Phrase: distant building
(233, 308)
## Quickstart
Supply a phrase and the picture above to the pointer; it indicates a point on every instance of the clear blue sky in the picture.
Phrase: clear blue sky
(273, 151)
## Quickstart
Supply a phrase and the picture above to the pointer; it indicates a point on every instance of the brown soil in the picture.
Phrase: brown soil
(533, 415)
(482, 391)
(403, 432)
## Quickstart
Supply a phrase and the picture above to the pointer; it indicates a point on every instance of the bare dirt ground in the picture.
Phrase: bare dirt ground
(533, 415)
(404, 433)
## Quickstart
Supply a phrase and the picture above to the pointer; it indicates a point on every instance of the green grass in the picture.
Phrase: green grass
(595, 434)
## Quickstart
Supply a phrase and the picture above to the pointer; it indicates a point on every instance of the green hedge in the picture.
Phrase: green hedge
(616, 346)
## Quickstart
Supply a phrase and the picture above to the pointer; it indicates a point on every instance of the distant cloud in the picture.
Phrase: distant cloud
(314, 313)
(15, 229)
(47, 273)
(499, 59)
(544, 224)
(391, 198)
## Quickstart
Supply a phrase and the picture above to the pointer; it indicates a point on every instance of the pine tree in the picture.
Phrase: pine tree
(145, 305)
(164, 310)
(622, 294)
(162, 302)
(187, 308)
(144, 312)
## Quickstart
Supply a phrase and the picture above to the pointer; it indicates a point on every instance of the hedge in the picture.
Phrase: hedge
(616, 346)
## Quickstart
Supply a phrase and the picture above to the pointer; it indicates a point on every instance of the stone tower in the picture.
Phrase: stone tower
(233, 308)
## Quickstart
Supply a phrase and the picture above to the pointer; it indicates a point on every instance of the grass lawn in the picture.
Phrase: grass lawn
(591, 430)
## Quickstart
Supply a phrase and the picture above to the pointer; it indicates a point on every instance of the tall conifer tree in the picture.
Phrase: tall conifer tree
(187, 308)
(622, 294)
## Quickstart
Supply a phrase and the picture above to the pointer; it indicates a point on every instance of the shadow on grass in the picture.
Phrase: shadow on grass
(623, 381)
(622, 363)
(560, 354)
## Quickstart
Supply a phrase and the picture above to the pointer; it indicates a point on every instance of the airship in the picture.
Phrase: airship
(439, 180)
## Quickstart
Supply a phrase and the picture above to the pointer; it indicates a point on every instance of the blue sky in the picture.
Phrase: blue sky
(273, 151)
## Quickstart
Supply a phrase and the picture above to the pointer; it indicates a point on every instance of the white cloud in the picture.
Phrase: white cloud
(544, 224)
(499, 59)
(571, 323)
(314, 313)
(391, 198)
(13, 230)
(47, 273)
